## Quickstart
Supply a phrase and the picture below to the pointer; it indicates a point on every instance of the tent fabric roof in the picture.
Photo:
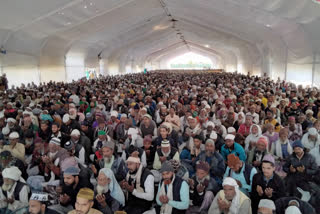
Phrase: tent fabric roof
(243, 31)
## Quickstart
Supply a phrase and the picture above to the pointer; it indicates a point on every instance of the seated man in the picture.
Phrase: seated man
(300, 167)
(256, 154)
(266, 184)
(202, 189)
(283, 203)
(215, 160)
(166, 152)
(110, 161)
(230, 200)
(17, 149)
(243, 173)
(13, 192)
(173, 192)
(38, 204)
(84, 203)
(139, 185)
(109, 194)
(231, 147)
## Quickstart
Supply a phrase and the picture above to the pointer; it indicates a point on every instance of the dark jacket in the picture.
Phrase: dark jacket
(307, 161)
(217, 165)
(276, 183)
(282, 204)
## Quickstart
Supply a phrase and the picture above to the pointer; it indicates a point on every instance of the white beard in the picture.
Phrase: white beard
(51, 155)
(102, 189)
(106, 160)
(6, 187)
(166, 154)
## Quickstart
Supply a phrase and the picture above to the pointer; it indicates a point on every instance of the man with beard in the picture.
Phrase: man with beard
(55, 128)
(231, 147)
(230, 200)
(164, 153)
(139, 187)
(6, 161)
(109, 197)
(84, 141)
(110, 161)
(310, 139)
(214, 159)
(173, 192)
(17, 149)
(14, 191)
(70, 187)
(85, 202)
(202, 189)
(300, 167)
(54, 158)
(256, 154)
(38, 204)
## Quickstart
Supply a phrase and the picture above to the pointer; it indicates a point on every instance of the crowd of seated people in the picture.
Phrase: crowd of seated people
(160, 142)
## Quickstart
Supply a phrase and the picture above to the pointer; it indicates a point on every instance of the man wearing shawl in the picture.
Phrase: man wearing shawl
(14, 191)
(230, 200)
(109, 194)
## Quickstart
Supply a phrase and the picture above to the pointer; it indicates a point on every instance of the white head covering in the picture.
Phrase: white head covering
(11, 120)
(235, 204)
(231, 130)
(39, 197)
(12, 173)
(75, 132)
(293, 210)
(210, 123)
(267, 203)
(229, 137)
(115, 190)
(114, 114)
(66, 118)
(13, 135)
(213, 135)
(312, 131)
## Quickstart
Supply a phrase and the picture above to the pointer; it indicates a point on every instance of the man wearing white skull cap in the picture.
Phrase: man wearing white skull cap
(14, 191)
(17, 149)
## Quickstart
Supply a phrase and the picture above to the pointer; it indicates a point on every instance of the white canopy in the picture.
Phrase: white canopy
(277, 37)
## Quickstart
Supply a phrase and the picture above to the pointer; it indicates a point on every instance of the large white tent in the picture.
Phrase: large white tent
(43, 40)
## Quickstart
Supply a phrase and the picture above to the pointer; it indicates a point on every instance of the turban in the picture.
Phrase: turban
(114, 114)
(14, 135)
(230, 182)
(213, 135)
(165, 143)
(292, 210)
(312, 131)
(86, 193)
(12, 173)
(66, 118)
(133, 159)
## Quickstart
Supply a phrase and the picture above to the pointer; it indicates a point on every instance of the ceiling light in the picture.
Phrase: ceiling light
(68, 23)
(207, 46)
(85, 7)
(91, 3)
(267, 25)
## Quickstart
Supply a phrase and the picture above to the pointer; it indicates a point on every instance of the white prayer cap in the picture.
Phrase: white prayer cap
(114, 114)
(56, 141)
(231, 130)
(293, 210)
(210, 123)
(75, 132)
(43, 197)
(309, 111)
(132, 131)
(229, 137)
(267, 203)
(5, 130)
(230, 182)
(66, 118)
(124, 115)
(312, 131)
(12, 173)
(14, 135)
(165, 143)
(11, 120)
(213, 135)
(26, 113)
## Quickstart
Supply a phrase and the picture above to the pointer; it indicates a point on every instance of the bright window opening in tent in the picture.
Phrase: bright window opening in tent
(190, 60)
